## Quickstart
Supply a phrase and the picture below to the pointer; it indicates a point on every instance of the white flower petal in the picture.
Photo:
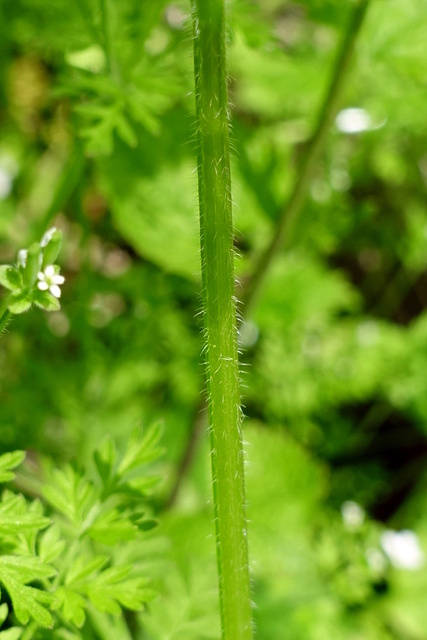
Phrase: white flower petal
(55, 290)
(403, 549)
(353, 120)
(41, 276)
(49, 271)
(43, 286)
(58, 279)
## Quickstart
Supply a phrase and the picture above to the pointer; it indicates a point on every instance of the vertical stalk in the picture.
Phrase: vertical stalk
(216, 232)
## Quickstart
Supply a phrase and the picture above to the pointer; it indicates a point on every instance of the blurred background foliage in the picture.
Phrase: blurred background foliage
(97, 138)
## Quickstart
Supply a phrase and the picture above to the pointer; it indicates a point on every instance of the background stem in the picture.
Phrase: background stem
(106, 34)
(289, 214)
(216, 229)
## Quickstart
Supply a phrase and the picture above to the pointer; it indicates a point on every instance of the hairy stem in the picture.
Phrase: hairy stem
(216, 232)
(5, 317)
(286, 223)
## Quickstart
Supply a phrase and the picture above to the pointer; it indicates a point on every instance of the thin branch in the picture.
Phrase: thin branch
(282, 236)
(198, 425)
(106, 35)
(102, 35)
(88, 20)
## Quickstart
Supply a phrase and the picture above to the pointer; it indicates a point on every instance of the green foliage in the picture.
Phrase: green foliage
(114, 77)
(97, 139)
(54, 569)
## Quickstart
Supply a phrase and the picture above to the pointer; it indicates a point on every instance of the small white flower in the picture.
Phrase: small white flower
(49, 280)
(353, 120)
(352, 514)
(403, 549)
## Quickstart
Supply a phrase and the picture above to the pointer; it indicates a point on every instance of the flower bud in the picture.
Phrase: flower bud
(52, 248)
(32, 264)
(22, 257)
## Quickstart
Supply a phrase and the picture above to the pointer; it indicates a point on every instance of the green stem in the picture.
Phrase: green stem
(5, 317)
(88, 20)
(102, 35)
(29, 631)
(216, 230)
(289, 215)
(108, 627)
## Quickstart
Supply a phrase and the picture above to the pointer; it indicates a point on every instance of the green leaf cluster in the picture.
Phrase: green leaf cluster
(115, 64)
(59, 567)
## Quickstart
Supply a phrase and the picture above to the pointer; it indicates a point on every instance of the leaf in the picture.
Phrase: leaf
(71, 604)
(12, 504)
(16, 522)
(71, 495)
(70, 596)
(112, 528)
(10, 277)
(112, 588)
(45, 300)
(51, 544)
(105, 458)
(139, 486)
(26, 600)
(26, 569)
(99, 138)
(20, 523)
(13, 633)
(10, 461)
(18, 303)
(125, 130)
(155, 213)
(142, 448)
(3, 612)
(107, 589)
(83, 568)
